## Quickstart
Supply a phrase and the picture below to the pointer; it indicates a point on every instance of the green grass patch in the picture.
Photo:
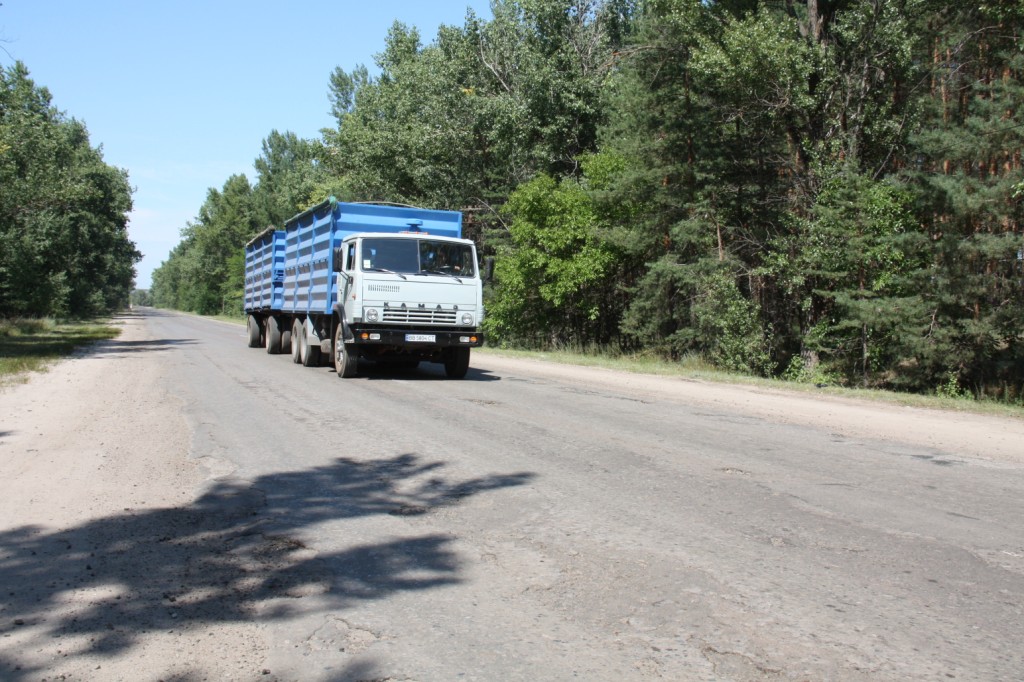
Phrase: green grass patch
(31, 345)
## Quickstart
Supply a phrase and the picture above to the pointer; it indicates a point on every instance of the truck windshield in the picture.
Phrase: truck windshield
(418, 256)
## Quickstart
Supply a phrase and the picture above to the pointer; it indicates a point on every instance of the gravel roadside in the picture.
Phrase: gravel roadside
(990, 438)
(95, 473)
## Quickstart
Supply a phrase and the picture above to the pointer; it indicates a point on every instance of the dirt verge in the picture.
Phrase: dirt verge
(995, 439)
(95, 476)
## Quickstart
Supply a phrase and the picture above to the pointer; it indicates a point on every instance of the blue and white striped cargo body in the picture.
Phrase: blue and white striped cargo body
(392, 284)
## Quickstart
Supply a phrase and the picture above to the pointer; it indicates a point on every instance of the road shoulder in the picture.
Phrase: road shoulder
(95, 466)
(959, 434)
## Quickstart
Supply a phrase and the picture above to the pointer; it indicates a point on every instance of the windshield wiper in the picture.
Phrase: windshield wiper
(390, 272)
(438, 272)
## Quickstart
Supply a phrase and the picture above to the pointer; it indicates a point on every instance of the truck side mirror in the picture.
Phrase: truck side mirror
(489, 268)
(337, 260)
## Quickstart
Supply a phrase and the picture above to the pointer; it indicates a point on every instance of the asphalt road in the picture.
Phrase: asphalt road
(516, 525)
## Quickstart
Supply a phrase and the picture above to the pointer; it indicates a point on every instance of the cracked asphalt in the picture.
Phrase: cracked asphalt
(176, 506)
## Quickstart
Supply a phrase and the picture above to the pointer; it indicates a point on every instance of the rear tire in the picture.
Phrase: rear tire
(346, 364)
(456, 363)
(297, 327)
(310, 354)
(273, 335)
(255, 332)
(286, 339)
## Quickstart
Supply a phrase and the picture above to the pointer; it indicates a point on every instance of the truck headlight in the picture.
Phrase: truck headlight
(371, 315)
(467, 319)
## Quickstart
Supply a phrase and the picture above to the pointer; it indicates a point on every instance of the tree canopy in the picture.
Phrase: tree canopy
(829, 191)
(64, 247)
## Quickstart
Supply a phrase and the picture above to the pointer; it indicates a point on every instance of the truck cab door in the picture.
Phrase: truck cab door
(347, 262)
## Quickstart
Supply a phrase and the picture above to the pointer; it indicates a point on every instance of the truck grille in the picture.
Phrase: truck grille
(383, 288)
(419, 316)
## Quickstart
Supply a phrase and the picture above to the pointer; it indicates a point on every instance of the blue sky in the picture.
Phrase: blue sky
(181, 94)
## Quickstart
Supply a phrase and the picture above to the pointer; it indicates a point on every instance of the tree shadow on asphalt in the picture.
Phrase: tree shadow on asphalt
(116, 346)
(227, 557)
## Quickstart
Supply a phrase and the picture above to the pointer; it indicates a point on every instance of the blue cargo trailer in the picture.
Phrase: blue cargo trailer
(349, 281)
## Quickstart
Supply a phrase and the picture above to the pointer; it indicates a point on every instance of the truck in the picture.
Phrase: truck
(383, 283)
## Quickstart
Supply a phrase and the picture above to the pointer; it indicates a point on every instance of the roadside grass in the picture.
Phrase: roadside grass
(32, 345)
(234, 319)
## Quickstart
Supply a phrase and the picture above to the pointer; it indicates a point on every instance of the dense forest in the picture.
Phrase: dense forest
(64, 247)
(823, 190)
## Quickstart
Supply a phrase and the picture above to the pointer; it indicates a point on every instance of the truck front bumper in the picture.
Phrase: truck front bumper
(418, 338)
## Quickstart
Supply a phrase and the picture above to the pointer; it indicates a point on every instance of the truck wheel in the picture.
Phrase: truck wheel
(255, 336)
(286, 339)
(345, 361)
(456, 363)
(273, 334)
(310, 354)
(297, 341)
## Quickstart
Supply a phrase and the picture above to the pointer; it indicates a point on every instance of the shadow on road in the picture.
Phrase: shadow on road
(227, 557)
(427, 371)
(115, 346)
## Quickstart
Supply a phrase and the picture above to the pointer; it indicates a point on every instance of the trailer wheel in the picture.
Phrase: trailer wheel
(255, 335)
(456, 363)
(297, 341)
(345, 361)
(273, 334)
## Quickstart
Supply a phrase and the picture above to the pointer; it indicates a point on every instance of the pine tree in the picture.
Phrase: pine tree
(967, 165)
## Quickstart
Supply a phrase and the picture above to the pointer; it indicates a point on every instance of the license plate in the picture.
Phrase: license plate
(421, 338)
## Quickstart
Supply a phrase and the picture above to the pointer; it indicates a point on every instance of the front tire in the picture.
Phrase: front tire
(456, 363)
(345, 361)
